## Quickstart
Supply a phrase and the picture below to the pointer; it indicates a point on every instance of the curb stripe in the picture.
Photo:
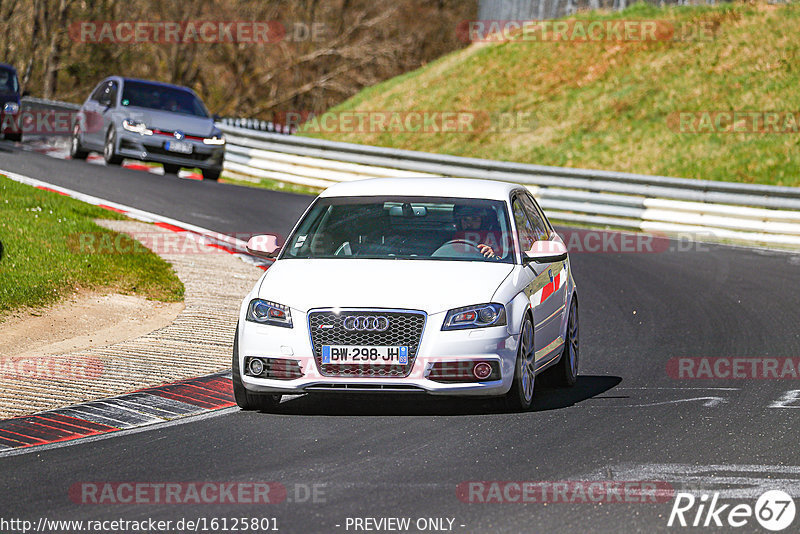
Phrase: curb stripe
(168, 226)
(109, 208)
(51, 190)
(155, 405)
(7, 443)
(140, 408)
(83, 426)
(25, 440)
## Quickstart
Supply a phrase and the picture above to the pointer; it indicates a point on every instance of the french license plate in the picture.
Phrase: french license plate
(178, 146)
(376, 355)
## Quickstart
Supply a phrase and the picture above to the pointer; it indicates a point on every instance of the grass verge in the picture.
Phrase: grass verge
(615, 104)
(42, 261)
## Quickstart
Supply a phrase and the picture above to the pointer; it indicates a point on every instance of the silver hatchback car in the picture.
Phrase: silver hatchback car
(149, 121)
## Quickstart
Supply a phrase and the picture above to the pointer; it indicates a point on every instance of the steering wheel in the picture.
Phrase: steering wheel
(455, 247)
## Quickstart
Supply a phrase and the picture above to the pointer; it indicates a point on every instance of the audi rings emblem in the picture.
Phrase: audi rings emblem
(367, 323)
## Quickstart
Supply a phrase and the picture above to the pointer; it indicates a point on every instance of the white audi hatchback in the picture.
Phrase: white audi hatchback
(440, 286)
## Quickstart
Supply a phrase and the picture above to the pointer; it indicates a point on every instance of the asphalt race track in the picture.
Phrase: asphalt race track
(207, 204)
(627, 419)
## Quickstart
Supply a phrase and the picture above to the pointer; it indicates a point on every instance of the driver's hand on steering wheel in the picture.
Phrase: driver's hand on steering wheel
(486, 250)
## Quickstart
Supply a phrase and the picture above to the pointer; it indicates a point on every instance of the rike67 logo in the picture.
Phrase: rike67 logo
(774, 511)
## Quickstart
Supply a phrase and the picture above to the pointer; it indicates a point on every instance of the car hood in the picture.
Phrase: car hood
(166, 120)
(431, 286)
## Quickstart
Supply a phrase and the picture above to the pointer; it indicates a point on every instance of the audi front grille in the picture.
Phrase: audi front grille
(405, 329)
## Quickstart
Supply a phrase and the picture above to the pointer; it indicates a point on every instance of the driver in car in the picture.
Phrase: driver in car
(474, 227)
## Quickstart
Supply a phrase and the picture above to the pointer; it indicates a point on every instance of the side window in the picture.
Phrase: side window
(98, 92)
(539, 226)
(526, 237)
(112, 93)
(106, 93)
(547, 224)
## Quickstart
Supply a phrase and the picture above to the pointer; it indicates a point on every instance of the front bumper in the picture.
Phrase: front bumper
(495, 345)
(151, 148)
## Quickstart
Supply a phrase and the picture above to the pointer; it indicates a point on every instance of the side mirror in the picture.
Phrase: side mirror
(217, 117)
(263, 246)
(545, 252)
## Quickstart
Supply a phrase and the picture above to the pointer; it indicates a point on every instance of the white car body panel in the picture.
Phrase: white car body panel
(432, 286)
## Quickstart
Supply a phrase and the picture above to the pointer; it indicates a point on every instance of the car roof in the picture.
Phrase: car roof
(6, 66)
(424, 187)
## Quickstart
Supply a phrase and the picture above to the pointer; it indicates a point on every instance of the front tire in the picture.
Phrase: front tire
(245, 399)
(16, 137)
(211, 174)
(109, 149)
(565, 371)
(75, 150)
(520, 397)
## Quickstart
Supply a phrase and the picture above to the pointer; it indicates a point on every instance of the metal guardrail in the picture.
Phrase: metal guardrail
(550, 9)
(716, 210)
(257, 124)
(720, 210)
(33, 103)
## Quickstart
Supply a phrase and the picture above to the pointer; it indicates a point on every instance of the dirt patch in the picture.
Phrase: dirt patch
(82, 321)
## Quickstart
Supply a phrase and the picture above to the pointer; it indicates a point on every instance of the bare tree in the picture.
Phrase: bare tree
(361, 42)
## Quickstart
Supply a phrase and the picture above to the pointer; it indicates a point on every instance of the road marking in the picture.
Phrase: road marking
(709, 401)
(789, 397)
(735, 481)
(699, 388)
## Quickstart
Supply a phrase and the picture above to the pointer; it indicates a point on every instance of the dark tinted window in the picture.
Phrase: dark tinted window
(162, 98)
(525, 230)
(97, 93)
(539, 226)
(105, 93)
(8, 81)
(112, 93)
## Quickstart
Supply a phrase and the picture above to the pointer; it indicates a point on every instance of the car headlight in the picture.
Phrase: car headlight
(12, 108)
(216, 140)
(266, 312)
(135, 126)
(477, 316)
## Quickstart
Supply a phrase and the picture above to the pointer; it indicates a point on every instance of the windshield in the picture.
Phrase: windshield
(409, 228)
(8, 81)
(152, 96)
